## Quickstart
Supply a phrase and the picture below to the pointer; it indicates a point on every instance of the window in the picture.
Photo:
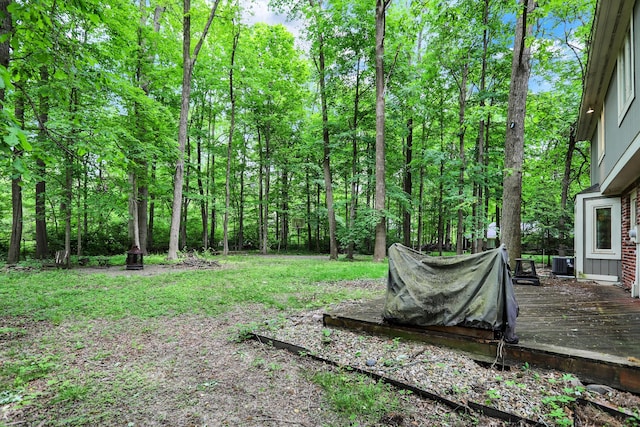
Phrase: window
(603, 229)
(626, 85)
(603, 226)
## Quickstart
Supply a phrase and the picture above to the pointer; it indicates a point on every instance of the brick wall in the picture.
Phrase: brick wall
(628, 247)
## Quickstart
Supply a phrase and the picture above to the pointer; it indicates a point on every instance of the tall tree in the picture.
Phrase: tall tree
(514, 141)
(189, 61)
(316, 5)
(380, 247)
(42, 245)
(16, 192)
(478, 186)
(232, 123)
(13, 255)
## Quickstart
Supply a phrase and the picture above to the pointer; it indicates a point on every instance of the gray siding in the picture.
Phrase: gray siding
(619, 138)
(603, 267)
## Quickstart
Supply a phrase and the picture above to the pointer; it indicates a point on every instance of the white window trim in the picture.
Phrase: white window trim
(625, 98)
(601, 140)
(633, 208)
(591, 206)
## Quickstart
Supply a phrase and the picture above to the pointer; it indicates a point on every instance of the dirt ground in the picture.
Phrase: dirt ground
(191, 370)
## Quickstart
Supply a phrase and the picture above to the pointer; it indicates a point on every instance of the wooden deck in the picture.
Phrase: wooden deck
(588, 329)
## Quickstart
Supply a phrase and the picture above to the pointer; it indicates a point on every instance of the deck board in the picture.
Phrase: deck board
(582, 327)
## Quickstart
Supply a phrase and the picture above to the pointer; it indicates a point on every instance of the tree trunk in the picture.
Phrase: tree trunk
(187, 72)
(13, 255)
(66, 206)
(440, 200)
(240, 237)
(204, 214)
(307, 183)
(407, 184)
(42, 250)
(212, 177)
(227, 185)
(152, 210)
(514, 142)
(133, 211)
(283, 238)
(326, 163)
(420, 237)
(566, 181)
(16, 188)
(265, 198)
(186, 201)
(6, 29)
(480, 226)
(380, 246)
(462, 104)
(354, 163)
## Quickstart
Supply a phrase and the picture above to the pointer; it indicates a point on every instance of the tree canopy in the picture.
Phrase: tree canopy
(278, 136)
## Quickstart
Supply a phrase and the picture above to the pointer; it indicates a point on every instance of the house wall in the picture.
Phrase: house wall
(587, 266)
(629, 247)
(602, 267)
(618, 136)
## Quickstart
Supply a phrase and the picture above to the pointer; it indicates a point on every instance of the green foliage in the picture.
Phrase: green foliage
(102, 103)
(357, 397)
(557, 411)
(19, 374)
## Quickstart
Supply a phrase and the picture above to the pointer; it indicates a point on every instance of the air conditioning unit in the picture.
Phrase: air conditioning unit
(562, 266)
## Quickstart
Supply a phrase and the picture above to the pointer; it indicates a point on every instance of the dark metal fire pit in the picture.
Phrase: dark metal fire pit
(135, 259)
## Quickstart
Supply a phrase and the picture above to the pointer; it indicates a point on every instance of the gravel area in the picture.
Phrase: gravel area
(543, 396)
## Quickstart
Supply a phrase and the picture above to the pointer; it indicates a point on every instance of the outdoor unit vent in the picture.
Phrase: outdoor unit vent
(562, 266)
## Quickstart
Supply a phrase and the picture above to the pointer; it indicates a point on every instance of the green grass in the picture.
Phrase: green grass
(281, 282)
(41, 377)
(357, 397)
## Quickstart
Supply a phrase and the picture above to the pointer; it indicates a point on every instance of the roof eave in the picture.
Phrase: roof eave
(607, 35)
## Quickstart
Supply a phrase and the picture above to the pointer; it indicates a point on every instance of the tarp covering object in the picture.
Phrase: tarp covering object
(465, 290)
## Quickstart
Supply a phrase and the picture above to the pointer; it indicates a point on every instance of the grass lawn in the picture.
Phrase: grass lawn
(81, 347)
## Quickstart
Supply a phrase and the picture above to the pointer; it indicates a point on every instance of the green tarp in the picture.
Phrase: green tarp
(466, 290)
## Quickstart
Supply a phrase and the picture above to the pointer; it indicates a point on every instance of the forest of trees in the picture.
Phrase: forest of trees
(173, 126)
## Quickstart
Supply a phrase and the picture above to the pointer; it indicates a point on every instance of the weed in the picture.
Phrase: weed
(357, 397)
(456, 389)
(326, 336)
(258, 362)
(245, 332)
(22, 372)
(394, 345)
(207, 385)
(492, 395)
(557, 405)
(67, 391)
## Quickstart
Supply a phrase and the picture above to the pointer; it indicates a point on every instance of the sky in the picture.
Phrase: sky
(258, 11)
